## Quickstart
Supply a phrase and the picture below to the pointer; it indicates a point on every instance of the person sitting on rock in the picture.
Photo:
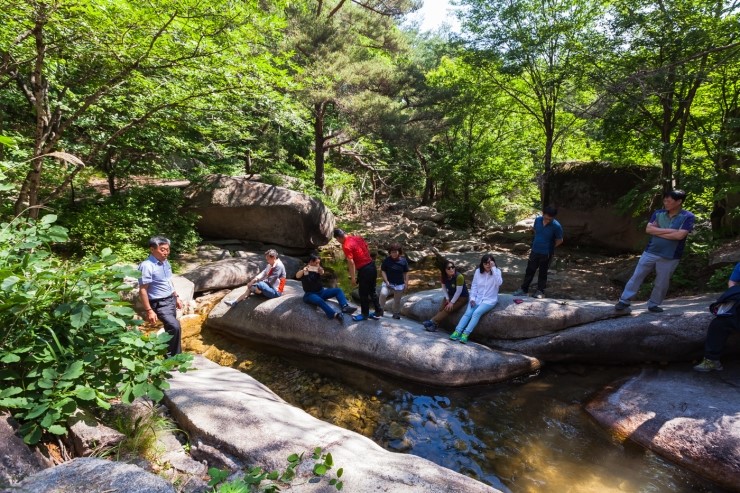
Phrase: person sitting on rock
(727, 320)
(483, 297)
(316, 294)
(456, 295)
(395, 272)
(269, 283)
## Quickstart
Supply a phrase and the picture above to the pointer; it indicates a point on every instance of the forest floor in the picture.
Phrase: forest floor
(576, 272)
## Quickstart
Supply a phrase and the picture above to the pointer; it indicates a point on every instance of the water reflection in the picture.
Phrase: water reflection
(530, 436)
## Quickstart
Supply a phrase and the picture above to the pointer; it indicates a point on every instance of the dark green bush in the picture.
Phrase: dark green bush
(67, 339)
(125, 222)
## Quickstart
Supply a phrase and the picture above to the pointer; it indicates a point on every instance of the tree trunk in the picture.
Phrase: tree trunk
(545, 193)
(428, 195)
(318, 133)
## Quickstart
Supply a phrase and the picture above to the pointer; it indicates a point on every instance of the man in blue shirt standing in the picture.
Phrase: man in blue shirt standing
(157, 292)
(668, 229)
(548, 234)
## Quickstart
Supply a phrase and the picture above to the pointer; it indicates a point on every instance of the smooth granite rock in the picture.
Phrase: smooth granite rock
(690, 418)
(239, 416)
(89, 475)
(397, 347)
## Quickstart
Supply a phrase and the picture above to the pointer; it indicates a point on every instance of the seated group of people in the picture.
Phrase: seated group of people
(480, 299)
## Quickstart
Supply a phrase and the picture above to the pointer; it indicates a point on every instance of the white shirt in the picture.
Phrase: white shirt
(485, 287)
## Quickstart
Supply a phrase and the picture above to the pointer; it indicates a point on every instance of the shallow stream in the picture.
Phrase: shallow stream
(530, 435)
(526, 436)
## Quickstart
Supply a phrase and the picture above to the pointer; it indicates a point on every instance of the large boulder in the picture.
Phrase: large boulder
(92, 475)
(689, 418)
(231, 412)
(17, 460)
(235, 207)
(233, 272)
(398, 347)
(590, 214)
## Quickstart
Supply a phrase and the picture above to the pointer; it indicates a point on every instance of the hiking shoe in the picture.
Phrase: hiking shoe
(397, 316)
(349, 309)
(539, 295)
(379, 313)
(432, 327)
(519, 292)
(655, 309)
(455, 336)
(359, 318)
(708, 365)
(373, 316)
(231, 302)
(339, 316)
(464, 338)
(621, 305)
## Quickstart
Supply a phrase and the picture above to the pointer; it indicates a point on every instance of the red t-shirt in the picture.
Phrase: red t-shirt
(356, 249)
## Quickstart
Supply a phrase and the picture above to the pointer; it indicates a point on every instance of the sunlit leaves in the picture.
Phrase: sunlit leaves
(72, 343)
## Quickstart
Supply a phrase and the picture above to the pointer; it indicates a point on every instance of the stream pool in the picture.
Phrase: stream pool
(530, 435)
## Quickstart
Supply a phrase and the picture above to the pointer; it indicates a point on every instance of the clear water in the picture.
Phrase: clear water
(526, 436)
(530, 435)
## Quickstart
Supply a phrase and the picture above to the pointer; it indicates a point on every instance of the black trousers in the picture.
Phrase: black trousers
(367, 278)
(537, 261)
(166, 310)
(719, 330)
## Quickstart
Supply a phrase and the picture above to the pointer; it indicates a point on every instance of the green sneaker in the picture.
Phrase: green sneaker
(708, 365)
(464, 339)
(455, 336)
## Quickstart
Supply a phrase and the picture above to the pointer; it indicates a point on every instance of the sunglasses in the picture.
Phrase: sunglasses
(450, 267)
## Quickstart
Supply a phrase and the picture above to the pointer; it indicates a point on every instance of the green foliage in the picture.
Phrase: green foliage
(141, 432)
(66, 340)
(125, 222)
(718, 281)
(255, 476)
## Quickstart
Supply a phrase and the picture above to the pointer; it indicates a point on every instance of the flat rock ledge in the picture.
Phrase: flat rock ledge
(696, 426)
(239, 417)
(508, 320)
(677, 334)
(398, 347)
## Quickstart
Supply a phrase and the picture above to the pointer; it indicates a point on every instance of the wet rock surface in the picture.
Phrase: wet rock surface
(244, 419)
(688, 417)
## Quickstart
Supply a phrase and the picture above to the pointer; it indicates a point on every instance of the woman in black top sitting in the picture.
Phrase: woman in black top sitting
(316, 294)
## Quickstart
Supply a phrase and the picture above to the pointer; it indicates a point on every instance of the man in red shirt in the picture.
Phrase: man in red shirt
(362, 271)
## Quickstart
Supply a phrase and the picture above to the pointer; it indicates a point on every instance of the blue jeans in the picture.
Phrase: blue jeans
(267, 291)
(472, 317)
(319, 298)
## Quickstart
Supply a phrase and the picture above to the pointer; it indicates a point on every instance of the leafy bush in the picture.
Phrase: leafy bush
(66, 340)
(125, 222)
(718, 281)
(255, 476)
